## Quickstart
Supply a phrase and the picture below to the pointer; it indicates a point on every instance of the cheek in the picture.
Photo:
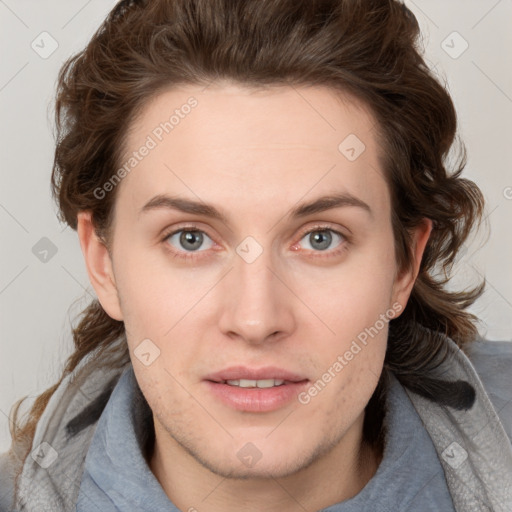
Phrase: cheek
(339, 396)
(159, 304)
(355, 308)
(354, 294)
(151, 295)
(168, 401)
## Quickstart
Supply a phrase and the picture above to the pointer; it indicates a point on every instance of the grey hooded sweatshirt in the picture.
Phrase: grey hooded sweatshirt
(436, 458)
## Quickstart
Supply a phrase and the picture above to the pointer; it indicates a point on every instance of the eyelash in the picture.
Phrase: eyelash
(197, 254)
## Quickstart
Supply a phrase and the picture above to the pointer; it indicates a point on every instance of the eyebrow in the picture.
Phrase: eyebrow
(321, 204)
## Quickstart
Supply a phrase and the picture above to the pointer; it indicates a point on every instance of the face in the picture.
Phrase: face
(252, 262)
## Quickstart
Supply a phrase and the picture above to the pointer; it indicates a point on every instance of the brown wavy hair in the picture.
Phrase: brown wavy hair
(367, 48)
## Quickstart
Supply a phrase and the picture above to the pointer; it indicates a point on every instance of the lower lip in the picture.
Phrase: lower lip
(256, 399)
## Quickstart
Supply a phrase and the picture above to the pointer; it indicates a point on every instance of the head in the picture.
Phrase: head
(264, 184)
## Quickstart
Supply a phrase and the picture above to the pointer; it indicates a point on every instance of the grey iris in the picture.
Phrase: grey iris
(194, 238)
(322, 238)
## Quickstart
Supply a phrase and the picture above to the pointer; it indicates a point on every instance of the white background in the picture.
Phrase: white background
(35, 297)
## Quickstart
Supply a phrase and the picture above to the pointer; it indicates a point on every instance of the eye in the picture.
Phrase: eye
(189, 240)
(183, 243)
(321, 239)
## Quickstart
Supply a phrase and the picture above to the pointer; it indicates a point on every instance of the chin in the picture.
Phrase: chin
(251, 462)
(260, 471)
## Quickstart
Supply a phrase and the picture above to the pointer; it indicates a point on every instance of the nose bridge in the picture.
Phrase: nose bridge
(258, 306)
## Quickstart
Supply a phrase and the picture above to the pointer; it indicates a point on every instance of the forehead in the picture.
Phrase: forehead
(227, 144)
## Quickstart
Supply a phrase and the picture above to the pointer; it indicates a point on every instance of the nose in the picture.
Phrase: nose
(257, 305)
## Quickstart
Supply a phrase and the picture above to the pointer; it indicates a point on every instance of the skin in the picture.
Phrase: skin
(255, 156)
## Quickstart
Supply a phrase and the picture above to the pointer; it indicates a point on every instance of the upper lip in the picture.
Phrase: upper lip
(243, 372)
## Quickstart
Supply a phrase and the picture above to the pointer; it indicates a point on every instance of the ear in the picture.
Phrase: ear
(99, 266)
(405, 280)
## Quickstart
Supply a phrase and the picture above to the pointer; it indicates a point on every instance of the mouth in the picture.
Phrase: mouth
(255, 390)
(249, 383)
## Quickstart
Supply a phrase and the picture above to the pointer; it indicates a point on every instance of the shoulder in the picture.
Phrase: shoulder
(11, 463)
(8, 469)
(492, 361)
(67, 424)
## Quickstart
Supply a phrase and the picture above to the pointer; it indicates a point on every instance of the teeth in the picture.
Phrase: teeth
(264, 383)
